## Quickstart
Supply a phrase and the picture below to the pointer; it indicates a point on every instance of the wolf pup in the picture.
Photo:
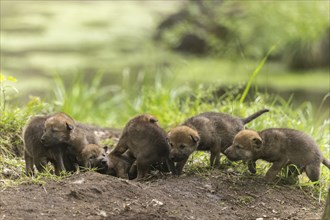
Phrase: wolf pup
(280, 146)
(120, 165)
(36, 152)
(94, 156)
(55, 138)
(211, 131)
(146, 141)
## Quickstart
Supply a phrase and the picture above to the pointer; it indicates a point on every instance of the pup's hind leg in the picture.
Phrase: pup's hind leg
(313, 171)
(132, 173)
(120, 148)
(40, 164)
(142, 169)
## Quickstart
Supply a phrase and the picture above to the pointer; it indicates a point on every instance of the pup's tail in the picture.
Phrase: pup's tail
(326, 162)
(253, 116)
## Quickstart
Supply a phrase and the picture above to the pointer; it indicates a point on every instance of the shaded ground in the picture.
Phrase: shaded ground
(218, 195)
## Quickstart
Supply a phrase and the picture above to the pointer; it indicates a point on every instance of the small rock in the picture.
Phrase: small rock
(126, 206)
(3, 203)
(81, 181)
(230, 170)
(103, 214)
(155, 202)
(6, 171)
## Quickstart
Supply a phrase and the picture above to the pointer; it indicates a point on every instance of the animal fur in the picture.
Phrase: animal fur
(280, 146)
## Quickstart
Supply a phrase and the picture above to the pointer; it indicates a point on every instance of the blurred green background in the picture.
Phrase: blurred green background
(175, 43)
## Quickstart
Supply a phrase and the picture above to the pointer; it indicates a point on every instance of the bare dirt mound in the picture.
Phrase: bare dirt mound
(215, 196)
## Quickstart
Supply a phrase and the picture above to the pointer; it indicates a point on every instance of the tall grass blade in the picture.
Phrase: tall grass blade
(255, 73)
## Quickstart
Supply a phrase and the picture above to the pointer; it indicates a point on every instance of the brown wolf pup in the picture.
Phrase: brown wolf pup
(146, 141)
(280, 146)
(94, 156)
(120, 165)
(36, 152)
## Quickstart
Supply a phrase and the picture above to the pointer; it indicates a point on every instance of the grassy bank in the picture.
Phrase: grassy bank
(113, 107)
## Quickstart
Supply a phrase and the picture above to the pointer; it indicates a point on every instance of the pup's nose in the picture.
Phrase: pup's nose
(104, 162)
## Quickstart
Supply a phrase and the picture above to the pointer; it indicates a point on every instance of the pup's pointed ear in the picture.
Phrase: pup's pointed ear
(195, 138)
(69, 126)
(257, 143)
(153, 120)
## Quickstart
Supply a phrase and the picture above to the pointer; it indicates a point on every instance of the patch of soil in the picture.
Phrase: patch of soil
(217, 195)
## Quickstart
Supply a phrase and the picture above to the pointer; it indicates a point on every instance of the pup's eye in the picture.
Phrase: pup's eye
(171, 144)
(182, 146)
(92, 157)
